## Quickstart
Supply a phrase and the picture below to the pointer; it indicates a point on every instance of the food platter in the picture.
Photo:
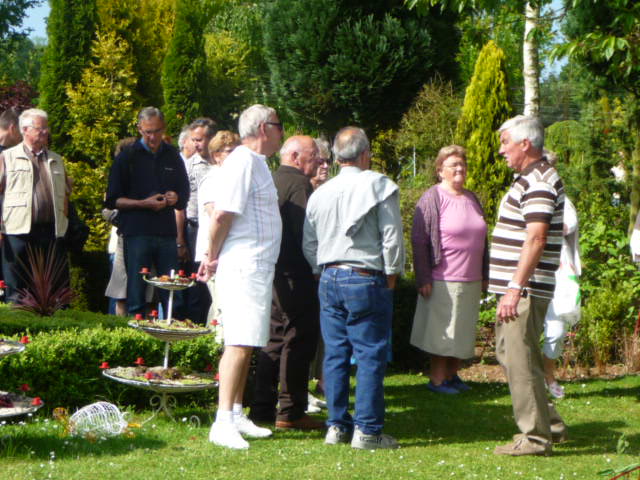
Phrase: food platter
(196, 381)
(21, 405)
(176, 330)
(9, 347)
(170, 283)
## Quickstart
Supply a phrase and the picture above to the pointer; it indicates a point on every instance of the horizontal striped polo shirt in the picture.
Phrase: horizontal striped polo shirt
(536, 195)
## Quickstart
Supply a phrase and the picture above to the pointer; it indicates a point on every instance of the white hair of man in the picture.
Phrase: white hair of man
(251, 119)
(349, 144)
(26, 117)
(523, 127)
(290, 146)
(184, 134)
(149, 112)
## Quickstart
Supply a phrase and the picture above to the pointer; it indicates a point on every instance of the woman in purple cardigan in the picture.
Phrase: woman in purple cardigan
(451, 262)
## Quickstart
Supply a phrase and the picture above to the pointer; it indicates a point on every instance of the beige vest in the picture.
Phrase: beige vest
(18, 193)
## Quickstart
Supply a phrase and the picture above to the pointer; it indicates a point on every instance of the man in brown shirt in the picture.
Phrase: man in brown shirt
(35, 192)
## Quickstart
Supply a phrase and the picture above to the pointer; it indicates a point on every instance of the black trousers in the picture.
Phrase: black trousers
(15, 260)
(294, 332)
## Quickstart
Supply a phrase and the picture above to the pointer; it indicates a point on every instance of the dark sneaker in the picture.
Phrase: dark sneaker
(457, 383)
(372, 442)
(303, 423)
(335, 436)
(442, 388)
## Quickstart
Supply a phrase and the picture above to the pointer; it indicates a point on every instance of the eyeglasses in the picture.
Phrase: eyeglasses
(148, 133)
(39, 129)
(453, 166)
(278, 125)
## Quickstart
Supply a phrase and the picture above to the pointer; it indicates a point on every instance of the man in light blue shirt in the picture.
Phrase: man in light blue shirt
(353, 237)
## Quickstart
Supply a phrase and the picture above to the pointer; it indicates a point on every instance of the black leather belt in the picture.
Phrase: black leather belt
(361, 271)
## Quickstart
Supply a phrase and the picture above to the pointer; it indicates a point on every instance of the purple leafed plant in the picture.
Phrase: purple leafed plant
(48, 290)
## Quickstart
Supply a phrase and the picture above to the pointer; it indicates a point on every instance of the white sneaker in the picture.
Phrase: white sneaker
(250, 429)
(313, 409)
(316, 402)
(555, 389)
(227, 435)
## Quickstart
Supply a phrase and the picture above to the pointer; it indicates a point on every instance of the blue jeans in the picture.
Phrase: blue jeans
(147, 251)
(355, 317)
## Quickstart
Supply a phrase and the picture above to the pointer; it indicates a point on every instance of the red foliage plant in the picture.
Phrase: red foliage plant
(18, 96)
(48, 288)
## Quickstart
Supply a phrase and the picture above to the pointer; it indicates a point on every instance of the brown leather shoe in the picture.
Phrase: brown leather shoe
(523, 446)
(305, 422)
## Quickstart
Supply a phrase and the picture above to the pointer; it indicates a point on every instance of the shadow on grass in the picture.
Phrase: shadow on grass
(32, 445)
(418, 417)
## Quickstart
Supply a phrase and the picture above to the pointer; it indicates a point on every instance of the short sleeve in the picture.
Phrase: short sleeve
(539, 202)
(234, 184)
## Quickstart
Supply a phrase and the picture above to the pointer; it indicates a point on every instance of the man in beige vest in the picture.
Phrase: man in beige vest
(34, 189)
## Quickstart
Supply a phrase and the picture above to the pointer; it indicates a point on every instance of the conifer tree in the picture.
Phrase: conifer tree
(183, 72)
(485, 108)
(101, 112)
(70, 29)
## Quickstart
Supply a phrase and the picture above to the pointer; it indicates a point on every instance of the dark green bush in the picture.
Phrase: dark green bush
(62, 365)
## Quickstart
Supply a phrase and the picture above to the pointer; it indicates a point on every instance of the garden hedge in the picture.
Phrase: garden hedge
(61, 364)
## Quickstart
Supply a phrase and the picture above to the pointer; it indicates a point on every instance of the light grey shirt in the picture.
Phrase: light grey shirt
(355, 219)
(197, 169)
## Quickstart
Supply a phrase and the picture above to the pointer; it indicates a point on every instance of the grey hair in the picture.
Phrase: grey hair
(290, 145)
(349, 144)
(184, 134)
(209, 125)
(251, 119)
(26, 117)
(523, 127)
(150, 112)
(324, 149)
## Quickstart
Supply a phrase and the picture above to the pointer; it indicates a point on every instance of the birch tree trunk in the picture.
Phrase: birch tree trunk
(530, 63)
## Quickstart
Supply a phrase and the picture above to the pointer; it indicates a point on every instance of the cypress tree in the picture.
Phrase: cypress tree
(183, 72)
(71, 29)
(486, 107)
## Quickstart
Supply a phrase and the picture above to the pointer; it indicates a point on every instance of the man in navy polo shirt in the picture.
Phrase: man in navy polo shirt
(147, 183)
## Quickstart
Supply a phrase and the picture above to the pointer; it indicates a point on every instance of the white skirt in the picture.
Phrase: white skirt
(445, 323)
(244, 299)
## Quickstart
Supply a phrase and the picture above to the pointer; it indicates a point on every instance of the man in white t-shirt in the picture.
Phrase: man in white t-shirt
(244, 245)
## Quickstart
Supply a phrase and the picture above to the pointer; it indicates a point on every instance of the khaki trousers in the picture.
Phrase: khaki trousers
(518, 351)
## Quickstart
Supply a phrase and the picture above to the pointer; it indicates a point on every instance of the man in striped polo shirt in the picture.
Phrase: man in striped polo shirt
(525, 253)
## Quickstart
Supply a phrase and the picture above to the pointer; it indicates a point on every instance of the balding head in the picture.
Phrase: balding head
(351, 147)
(301, 152)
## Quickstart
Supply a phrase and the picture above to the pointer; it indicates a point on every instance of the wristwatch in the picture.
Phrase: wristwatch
(514, 285)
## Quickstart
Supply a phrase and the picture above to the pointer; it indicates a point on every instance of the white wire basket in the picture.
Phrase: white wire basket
(101, 419)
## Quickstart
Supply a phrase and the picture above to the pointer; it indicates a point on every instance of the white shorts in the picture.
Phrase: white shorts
(244, 299)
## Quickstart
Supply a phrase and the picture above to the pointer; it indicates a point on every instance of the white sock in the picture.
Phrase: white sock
(224, 416)
(237, 409)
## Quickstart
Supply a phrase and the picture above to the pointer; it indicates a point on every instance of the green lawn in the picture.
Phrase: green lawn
(450, 437)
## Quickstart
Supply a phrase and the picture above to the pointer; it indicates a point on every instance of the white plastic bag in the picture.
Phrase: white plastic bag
(566, 297)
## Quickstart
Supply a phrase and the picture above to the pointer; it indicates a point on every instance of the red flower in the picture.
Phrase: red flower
(24, 340)
(144, 271)
(181, 273)
(25, 387)
(36, 401)
(104, 366)
(138, 316)
(139, 361)
(148, 375)
(154, 314)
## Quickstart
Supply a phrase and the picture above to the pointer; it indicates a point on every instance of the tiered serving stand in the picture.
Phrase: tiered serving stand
(22, 405)
(164, 399)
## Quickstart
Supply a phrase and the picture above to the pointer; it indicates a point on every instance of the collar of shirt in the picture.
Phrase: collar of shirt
(349, 170)
(31, 154)
(146, 147)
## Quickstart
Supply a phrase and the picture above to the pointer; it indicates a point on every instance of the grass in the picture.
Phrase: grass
(441, 437)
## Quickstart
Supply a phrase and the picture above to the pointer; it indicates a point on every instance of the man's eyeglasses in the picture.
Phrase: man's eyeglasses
(278, 125)
(148, 133)
(39, 129)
